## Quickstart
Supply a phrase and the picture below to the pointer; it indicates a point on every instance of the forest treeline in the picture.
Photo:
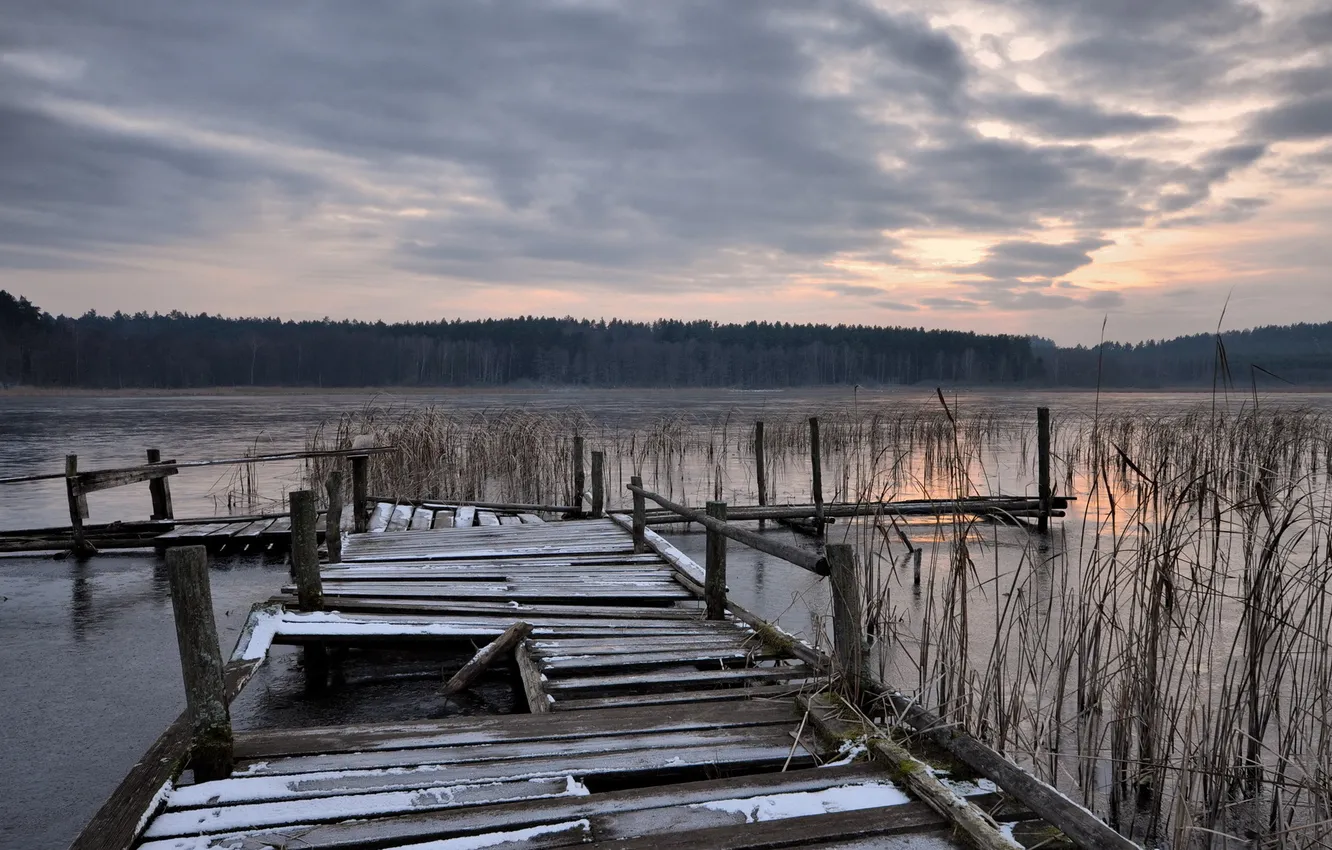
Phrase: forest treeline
(177, 350)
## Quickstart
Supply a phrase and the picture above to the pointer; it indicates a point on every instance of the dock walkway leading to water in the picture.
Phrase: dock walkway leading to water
(648, 725)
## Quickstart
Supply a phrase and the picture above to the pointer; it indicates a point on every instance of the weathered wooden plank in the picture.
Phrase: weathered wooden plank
(224, 819)
(764, 746)
(229, 529)
(379, 518)
(389, 831)
(495, 729)
(510, 520)
(672, 679)
(253, 530)
(422, 553)
(443, 519)
(191, 532)
(548, 748)
(592, 646)
(91, 482)
(690, 698)
(487, 519)
(280, 529)
(422, 519)
(517, 592)
(464, 517)
(531, 519)
(714, 656)
(465, 606)
(401, 516)
(687, 828)
(538, 701)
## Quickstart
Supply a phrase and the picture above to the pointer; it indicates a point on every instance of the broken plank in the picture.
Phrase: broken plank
(538, 701)
(764, 746)
(574, 685)
(464, 517)
(782, 693)
(269, 744)
(389, 831)
(714, 656)
(487, 655)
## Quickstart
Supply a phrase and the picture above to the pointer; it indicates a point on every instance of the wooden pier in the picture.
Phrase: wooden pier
(653, 713)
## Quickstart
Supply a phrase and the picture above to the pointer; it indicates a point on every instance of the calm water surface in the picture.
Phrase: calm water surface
(87, 651)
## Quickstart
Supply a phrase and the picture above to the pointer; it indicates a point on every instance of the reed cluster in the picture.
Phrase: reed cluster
(1163, 656)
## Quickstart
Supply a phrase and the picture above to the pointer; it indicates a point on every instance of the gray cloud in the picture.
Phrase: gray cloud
(1020, 259)
(624, 146)
(1059, 118)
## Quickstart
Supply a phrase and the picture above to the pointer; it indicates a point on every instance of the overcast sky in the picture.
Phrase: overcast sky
(1031, 166)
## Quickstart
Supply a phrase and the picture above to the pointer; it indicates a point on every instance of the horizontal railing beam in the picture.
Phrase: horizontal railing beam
(811, 561)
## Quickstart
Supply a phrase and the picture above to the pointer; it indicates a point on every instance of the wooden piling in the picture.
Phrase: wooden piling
(579, 482)
(200, 663)
(160, 490)
(333, 517)
(761, 466)
(598, 484)
(78, 508)
(305, 551)
(816, 466)
(848, 618)
(360, 465)
(1043, 470)
(640, 515)
(714, 587)
(309, 587)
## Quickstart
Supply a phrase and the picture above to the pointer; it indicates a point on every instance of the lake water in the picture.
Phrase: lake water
(87, 650)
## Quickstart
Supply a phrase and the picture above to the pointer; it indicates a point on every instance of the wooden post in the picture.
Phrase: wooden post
(309, 588)
(333, 518)
(640, 517)
(598, 484)
(305, 551)
(848, 620)
(200, 663)
(78, 508)
(1043, 471)
(816, 466)
(762, 467)
(360, 491)
(714, 588)
(579, 483)
(160, 490)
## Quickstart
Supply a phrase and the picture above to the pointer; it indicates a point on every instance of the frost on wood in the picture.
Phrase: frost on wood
(843, 798)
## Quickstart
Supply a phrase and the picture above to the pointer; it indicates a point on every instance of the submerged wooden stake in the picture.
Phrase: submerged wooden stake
(78, 508)
(715, 578)
(473, 669)
(160, 490)
(200, 663)
(598, 484)
(640, 515)
(761, 467)
(333, 518)
(360, 465)
(848, 619)
(1043, 470)
(816, 468)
